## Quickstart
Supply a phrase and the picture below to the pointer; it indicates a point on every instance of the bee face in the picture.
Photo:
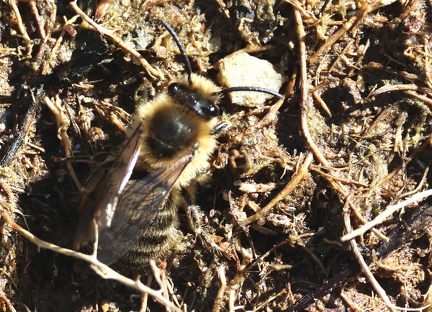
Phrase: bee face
(198, 95)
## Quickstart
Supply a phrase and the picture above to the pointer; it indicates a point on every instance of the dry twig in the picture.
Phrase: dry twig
(62, 127)
(297, 177)
(221, 292)
(101, 269)
(364, 267)
(385, 214)
(21, 27)
(304, 104)
(364, 9)
(154, 73)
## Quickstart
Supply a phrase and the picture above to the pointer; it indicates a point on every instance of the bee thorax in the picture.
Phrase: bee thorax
(172, 132)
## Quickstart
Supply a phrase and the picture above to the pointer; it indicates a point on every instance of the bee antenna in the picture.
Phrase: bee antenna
(253, 89)
(181, 48)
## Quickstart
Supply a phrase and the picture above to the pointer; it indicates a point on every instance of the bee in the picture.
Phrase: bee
(132, 210)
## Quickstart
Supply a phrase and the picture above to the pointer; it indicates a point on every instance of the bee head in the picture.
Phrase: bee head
(200, 96)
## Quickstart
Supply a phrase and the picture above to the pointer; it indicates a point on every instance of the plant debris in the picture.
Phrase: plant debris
(329, 184)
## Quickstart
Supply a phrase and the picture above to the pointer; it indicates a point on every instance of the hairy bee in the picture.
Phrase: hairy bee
(133, 208)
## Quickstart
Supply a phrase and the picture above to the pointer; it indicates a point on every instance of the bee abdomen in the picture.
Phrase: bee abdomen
(155, 239)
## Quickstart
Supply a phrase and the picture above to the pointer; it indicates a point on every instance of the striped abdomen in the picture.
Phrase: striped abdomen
(155, 239)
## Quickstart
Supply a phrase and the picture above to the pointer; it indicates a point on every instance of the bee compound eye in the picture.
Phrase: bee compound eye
(173, 89)
(214, 110)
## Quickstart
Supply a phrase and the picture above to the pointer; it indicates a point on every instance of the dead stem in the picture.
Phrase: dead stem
(62, 127)
(385, 214)
(154, 73)
(221, 292)
(34, 10)
(53, 52)
(322, 103)
(364, 267)
(319, 170)
(101, 269)
(6, 188)
(295, 180)
(161, 279)
(421, 184)
(422, 98)
(309, 16)
(305, 127)
(144, 297)
(7, 302)
(21, 28)
(393, 88)
(349, 25)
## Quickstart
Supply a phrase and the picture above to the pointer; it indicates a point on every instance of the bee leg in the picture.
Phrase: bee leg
(193, 213)
(196, 214)
(195, 219)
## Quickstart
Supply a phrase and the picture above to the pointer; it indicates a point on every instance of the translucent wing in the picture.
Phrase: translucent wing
(121, 208)
(137, 206)
(100, 204)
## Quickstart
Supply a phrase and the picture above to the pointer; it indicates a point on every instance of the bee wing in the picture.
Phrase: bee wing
(100, 204)
(136, 210)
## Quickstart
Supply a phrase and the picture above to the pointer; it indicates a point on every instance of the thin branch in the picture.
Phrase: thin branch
(385, 214)
(295, 180)
(21, 27)
(154, 73)
(364, 9)
(101, 269)
(219, 297)
(62, 127)
(305, 127)
(364, 267)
